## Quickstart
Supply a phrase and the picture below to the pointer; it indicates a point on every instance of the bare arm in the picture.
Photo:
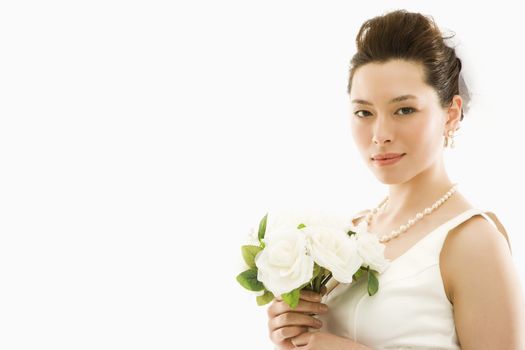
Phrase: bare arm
(489, 308)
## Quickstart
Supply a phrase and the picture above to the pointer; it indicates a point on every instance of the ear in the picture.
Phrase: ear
(454, 113)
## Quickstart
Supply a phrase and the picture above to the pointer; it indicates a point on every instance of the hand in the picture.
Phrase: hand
(285, 323)
(324, 341)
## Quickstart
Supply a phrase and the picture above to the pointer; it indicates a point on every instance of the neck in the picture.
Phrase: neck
(414, 196)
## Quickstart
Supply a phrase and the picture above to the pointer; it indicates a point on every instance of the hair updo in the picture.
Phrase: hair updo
(412, 36)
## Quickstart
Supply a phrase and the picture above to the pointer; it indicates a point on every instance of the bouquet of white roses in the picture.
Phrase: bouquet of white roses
(304, 252)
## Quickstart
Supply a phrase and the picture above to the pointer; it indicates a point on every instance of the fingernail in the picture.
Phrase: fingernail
(323, 308)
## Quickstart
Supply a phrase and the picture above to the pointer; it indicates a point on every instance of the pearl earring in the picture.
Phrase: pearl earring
(449, 139)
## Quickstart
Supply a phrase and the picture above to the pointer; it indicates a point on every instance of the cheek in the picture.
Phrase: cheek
(427, 136)
(360, 135)
(431, 130)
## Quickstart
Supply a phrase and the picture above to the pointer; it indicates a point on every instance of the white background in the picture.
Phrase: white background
(140, 140)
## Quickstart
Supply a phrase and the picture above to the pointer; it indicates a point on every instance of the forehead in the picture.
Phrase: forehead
(382, 81)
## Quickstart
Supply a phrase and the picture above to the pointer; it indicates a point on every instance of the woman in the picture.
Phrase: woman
(451, 283)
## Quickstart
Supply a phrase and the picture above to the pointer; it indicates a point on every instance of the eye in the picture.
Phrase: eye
(408, 110)
(405, 111)
(359, 116)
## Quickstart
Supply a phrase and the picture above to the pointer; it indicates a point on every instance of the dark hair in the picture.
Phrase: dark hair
(412, 36)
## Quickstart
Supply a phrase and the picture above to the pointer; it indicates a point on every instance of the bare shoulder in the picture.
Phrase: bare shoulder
(468, 245)
(356, 219)
(482, 283)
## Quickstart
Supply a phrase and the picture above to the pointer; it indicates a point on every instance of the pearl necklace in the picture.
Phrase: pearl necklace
(412, 221)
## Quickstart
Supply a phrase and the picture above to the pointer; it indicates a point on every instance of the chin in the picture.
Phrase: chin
(390, 179)
(392, 182)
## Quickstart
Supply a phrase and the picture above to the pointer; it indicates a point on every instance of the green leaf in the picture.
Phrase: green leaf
(262, 228)
(350, 233)
(373, 283)
(358, 274)
(292, 298)
(265, 298)
(301, 226)
(248, 279)
(248, 253)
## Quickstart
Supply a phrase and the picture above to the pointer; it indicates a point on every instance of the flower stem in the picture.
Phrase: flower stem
(318, 280)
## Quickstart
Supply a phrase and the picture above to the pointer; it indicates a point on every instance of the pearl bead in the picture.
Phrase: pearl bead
(411, 222)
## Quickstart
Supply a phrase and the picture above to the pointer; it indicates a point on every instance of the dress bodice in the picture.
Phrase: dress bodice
(410, 309)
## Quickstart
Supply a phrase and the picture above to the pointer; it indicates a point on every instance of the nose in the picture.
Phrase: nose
(382, 133)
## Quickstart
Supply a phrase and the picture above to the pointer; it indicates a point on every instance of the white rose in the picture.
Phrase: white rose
(284, 264)
(332, 249)
(308, 216)
(372, 251)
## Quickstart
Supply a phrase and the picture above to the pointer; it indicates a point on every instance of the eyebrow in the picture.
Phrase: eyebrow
(397, 99)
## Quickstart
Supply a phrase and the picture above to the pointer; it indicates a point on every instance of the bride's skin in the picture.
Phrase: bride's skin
(289, 328)
(415, 126)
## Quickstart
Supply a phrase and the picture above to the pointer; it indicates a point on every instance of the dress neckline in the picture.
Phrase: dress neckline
(425, 237)
(412, 248)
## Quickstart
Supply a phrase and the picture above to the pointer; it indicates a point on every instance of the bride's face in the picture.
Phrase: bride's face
(393, 110)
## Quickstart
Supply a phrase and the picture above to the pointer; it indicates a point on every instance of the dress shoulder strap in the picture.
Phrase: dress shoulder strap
(498, 225)
(492, 218)
(489, 216)
(359, 215)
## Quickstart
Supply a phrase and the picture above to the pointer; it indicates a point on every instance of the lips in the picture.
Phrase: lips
(387, 156)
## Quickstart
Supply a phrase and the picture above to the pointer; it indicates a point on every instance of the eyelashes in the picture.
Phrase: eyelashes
(357, 115)
(409, 109)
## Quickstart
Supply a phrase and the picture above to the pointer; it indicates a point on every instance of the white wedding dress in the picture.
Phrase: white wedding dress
(410, 309)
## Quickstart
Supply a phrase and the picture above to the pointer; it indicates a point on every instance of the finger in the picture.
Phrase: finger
(284, 333)
(303, 306)
(310, 295)
(301, 339)
(293, 319)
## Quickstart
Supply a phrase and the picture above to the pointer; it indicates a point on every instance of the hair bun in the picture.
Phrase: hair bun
(414, 37)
